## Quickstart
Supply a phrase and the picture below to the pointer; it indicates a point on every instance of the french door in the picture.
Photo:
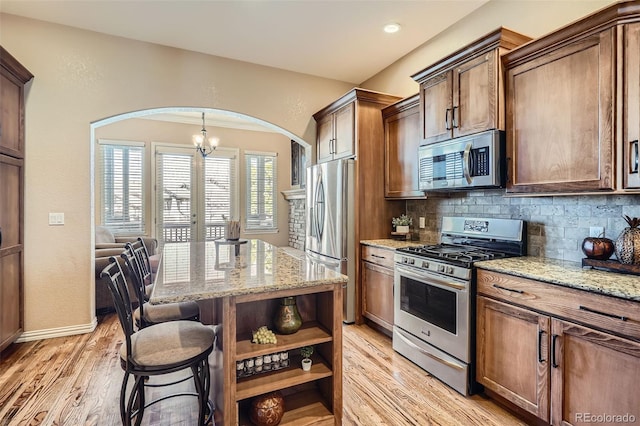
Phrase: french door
(194, 196)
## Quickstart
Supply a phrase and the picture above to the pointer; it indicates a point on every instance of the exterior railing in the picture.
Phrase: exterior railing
(172, 233)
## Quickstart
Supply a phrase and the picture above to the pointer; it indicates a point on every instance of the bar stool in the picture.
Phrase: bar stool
(137, 263)
(156, 350)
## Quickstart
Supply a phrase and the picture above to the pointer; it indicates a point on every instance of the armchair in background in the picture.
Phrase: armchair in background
(109, 245)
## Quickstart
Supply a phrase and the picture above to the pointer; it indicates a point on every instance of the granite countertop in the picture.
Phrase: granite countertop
(568, 274)
(391, 244)
(200, 271)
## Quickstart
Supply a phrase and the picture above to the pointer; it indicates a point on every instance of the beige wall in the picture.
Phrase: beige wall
(150, 131)
(82, 77)
(533, 18)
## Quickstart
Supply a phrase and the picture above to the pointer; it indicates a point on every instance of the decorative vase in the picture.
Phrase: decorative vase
(287, 320)
(306, 364)
(628, 243)
(267, 409)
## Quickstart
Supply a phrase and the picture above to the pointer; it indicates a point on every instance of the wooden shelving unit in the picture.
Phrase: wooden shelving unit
(311, 397)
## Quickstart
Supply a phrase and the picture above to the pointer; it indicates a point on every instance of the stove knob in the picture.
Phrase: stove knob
(412, 261)
(441, 268)
(425, 265)
(449, 269)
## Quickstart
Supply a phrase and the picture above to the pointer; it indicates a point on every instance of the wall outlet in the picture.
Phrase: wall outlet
(596, 231)
(56, 218)
(422, 222)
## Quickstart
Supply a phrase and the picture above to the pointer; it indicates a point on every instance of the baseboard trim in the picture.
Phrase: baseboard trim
(50, 333)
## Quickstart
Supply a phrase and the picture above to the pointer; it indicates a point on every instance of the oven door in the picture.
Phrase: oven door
(433, 308)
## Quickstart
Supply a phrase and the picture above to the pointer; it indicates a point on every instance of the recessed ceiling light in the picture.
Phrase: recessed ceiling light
(392, 28)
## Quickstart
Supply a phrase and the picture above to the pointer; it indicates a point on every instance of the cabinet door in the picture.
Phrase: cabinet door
(401, 140)
(324, 139)
(377, 294)
(11, 120)
(344, 121)
(560, 118)
(436, 108)
(594, 373)
(513, 354)
(10, 249)
(631, 118)
(475, 95)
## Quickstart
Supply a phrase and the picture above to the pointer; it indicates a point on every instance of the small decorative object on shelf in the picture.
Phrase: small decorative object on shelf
(628, 243)
(262, 364)
(597, 247)
(264, 336)
(267, 409)
(287, 320)
(401, 224)
(306, 352)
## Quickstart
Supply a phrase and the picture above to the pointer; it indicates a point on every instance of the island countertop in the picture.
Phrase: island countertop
(567, 274)
(192, 271)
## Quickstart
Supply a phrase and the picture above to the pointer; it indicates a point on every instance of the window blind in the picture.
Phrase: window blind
(261, 197)
(122, 187)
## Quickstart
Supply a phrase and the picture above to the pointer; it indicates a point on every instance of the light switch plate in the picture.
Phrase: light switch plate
(596, 231)
(56, 218)
(422, 222)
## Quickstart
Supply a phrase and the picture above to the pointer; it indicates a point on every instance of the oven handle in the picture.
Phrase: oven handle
(406, 340)
(432, 278)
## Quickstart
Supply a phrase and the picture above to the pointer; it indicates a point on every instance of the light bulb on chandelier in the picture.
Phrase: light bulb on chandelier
(200, 139)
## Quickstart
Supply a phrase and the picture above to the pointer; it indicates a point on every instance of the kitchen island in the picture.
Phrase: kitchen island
(244, 293)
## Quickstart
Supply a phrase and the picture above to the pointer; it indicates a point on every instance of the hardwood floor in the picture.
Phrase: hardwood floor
(76, 381)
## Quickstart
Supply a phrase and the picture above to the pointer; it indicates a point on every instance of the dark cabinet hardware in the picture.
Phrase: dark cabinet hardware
(540, 359)
(508, 289)
(633, 158)
(454, 119)
(378, 256)
(446, 119)
(554, 364)
(593, 311)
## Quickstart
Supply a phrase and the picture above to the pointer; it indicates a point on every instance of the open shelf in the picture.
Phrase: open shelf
(311, 333)
(301, 408)
(293, 375)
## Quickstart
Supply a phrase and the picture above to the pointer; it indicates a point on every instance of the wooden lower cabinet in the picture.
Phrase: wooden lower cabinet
(512, 356)
(562, 372)
(376, 283)
(377, 294)
(593, 374)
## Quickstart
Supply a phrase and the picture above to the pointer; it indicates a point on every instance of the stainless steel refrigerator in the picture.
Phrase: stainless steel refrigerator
(330, 223)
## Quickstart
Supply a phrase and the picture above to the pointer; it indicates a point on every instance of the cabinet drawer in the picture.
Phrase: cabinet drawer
(378, 255)
(619, 316)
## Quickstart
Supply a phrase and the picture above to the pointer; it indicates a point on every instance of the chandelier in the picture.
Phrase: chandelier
(201, 141)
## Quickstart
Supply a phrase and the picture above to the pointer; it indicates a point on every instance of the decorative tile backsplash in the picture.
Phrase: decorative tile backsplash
(556, 225)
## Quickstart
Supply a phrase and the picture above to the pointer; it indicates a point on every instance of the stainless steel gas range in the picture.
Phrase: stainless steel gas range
(434, 295)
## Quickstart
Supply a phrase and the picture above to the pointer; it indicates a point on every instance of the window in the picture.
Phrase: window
(194, 196)
(122, 187)
(261, 194)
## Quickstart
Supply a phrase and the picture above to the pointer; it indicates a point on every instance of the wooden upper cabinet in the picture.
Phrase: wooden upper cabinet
(436, 109)
(463, 93)
(335, 134)
(560, 118)
(12, 80)
(338, 124)
(401, 142)
(631, 109)
(324, 138)
(573, 119)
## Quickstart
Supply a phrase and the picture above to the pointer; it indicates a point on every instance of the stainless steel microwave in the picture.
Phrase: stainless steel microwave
(468, 162)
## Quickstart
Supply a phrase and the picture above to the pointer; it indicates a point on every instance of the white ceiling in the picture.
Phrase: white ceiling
(336, 39)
